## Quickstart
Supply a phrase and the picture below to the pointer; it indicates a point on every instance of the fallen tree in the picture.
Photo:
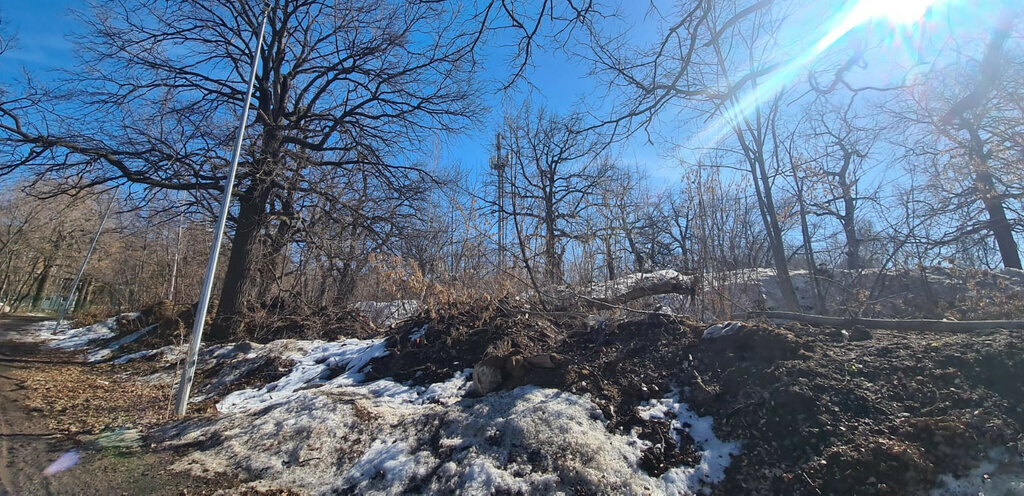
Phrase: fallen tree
(620, 291)
(893, 324)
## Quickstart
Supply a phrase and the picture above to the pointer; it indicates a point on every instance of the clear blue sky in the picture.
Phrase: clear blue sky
(39, 27)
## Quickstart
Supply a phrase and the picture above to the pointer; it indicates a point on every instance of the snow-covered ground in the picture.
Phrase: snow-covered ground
(66, 338)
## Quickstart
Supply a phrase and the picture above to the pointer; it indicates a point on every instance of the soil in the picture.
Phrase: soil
(51, 403)
(819, 411)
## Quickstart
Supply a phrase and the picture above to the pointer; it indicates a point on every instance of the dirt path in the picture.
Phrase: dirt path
(27, 445)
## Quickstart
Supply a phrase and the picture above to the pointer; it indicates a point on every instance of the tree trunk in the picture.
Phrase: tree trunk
(997, 221)
(1000, 226)
(766, 203)
(849, 217)
(241, 262)
(609, 259)
(805, 231)
(552, 260)
(44, 281)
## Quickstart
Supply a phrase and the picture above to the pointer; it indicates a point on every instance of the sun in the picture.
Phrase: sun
(896, 11)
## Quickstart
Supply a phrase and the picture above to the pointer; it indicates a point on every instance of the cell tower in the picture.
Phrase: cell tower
(499, 162)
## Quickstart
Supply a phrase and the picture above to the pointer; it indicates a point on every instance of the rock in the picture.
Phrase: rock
(515, 368)
(542, 361)
(488, 374)
(723, 329)
(860, 333)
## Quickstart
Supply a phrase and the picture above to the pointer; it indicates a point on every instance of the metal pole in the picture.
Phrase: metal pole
(188, 373)
(85, 261)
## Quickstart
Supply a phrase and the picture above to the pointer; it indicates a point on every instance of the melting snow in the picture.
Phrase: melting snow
(100, 354)
(999, 473)
(418, 333)
(387, 438)
(321, 428)
(352, 355)
(123, 359)
(66, 338)
(80, 338)
(387, 313)
(723, 329)
(715, 454)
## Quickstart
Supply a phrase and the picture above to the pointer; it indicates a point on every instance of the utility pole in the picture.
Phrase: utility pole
(188, 373)
(85, 261)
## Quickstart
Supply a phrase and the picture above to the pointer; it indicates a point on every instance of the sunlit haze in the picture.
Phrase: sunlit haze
(898, 13)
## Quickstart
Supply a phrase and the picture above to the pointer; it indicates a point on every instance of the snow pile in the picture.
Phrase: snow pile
(715, 454)
(321, 428)
(312, 369)
(102, 353)
(631, 281)
(387, 313)
(340, 436)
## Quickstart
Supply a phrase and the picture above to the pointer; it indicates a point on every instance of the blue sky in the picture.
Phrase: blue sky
(557, 82)
(39, 27)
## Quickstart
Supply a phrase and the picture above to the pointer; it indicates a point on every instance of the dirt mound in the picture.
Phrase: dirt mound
(886, 415)
(819, 411)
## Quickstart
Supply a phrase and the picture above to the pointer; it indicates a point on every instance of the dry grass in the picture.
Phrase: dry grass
(92, 315)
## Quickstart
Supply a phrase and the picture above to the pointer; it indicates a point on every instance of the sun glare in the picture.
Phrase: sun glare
(896, 11)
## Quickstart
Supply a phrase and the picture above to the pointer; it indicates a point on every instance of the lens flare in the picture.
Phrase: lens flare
(897, 12)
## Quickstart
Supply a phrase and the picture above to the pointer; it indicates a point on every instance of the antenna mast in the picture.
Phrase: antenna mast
(498, 164)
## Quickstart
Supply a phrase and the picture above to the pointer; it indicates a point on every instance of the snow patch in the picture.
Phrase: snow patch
(312, 369)
(102, 353)
(715, 454)
(123, 359)
(447, 392)
(418, 333)
(387, 313)
(79, 338)
(998, 473)
(388, 462)
(720, 330)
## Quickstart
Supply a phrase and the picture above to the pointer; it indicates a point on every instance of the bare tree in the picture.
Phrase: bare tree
(351, 86)
(964, 121)
(695, 62)
(555, 176)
